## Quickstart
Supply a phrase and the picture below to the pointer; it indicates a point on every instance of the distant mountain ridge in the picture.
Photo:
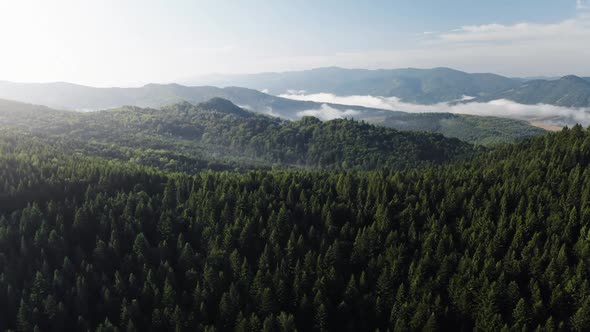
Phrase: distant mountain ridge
(421, 86)
(568, 91)
(78, 97)
(425, 86)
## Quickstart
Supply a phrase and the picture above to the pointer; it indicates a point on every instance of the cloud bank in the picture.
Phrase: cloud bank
(544, 114)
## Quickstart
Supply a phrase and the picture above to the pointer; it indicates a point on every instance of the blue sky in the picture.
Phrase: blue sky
(328, 26)
(132, 42)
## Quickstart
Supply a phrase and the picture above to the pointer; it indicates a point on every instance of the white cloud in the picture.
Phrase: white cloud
(157, 46)
(541, 113)
(325, 112)
(296, 92)
(271, 112)
(266, 110)
(569, 29)
(522, 49)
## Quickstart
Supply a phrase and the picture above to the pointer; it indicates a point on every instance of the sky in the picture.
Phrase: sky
(135, 42)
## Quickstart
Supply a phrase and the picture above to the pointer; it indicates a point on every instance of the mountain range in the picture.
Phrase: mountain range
(424, 86)
(474, 129)
(69, 96)
(568, 91)
(212, 217)
(421, 86)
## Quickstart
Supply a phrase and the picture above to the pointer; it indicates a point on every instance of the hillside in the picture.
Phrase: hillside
(481, 130)
(187, 137)
(497, 242)
(424, 86)
(568, 91)
(77, 97)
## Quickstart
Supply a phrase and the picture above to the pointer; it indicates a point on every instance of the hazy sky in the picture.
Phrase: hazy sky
(132, 42)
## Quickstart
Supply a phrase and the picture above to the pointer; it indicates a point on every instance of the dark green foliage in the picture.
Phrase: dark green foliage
(480, 130)
(497, 242)
(469, 128)
(219, 135)
(472, 129)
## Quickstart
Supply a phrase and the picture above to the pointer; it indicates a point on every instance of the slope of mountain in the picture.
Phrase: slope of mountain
(77, 97)
(221, 105)
(499, 242)
(185, 137)
(70, 96)
(424, 86)
(482, 130)
(568, 91)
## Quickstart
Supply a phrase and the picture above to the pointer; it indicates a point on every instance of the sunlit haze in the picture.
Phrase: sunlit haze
(125, 43)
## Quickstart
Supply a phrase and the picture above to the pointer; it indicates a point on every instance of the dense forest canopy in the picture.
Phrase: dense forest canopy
(219, 135)
(137, 219)
(498, 241)
(480, 130)
(190, 166)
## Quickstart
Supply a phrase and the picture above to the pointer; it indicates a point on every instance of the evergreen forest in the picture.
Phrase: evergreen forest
(212, 218)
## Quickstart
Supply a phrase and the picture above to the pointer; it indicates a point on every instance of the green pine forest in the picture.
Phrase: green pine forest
(211, 218)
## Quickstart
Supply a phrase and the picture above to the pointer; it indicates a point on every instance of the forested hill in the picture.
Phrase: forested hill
(497, 242)
(481, 130)
(186, 137)
(568, 91)
(76, 97)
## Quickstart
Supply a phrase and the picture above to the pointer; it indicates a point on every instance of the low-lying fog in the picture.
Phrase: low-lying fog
(540, 114)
